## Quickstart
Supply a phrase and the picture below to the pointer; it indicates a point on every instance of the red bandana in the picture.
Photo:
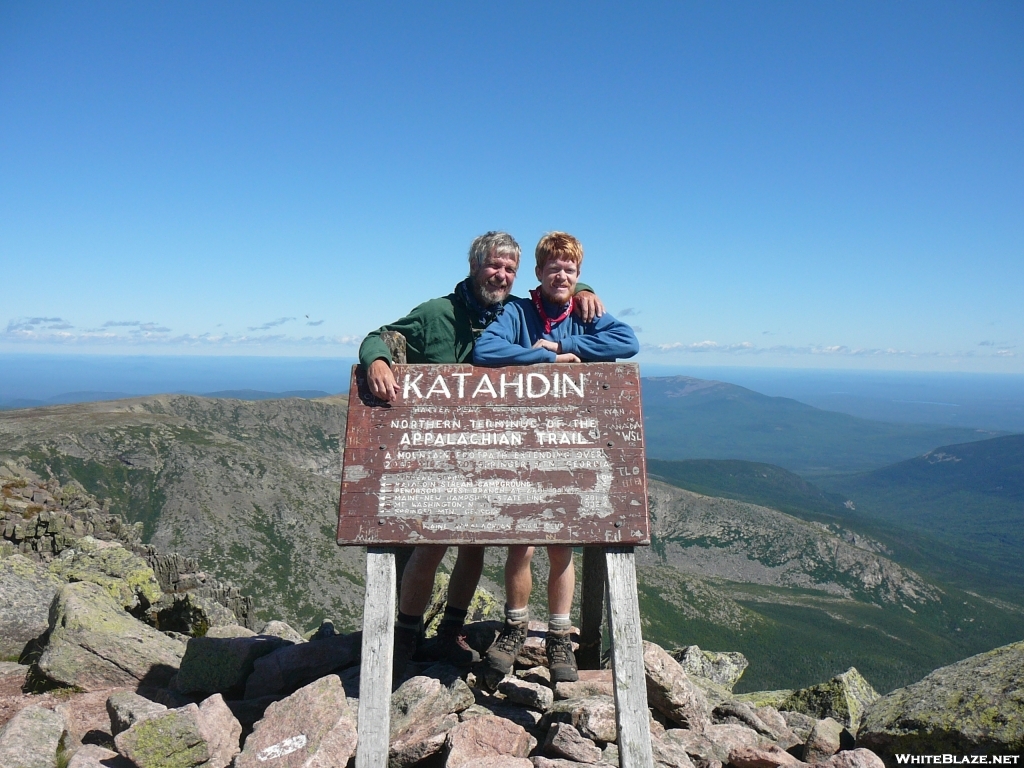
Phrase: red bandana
(538, 302)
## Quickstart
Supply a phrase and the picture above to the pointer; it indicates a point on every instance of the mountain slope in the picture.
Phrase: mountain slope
(800, 597)
(968, 497)
(687, 418)
(250, 488)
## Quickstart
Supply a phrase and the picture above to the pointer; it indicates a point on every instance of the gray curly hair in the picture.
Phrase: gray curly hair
(500, 243)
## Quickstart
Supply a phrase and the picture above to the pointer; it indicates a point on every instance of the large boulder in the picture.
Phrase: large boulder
(593, 716)
(293, 666)
(94, 644)
(222, 664)
(126, 577)
(975, 705)
(845, 698)
(670, 691)
(26, 591)
(32, 738)
(423, 710)
(204, 736)
(313, 728)
(126, 709)
(722, 669)
(472, 742)
(189, 614)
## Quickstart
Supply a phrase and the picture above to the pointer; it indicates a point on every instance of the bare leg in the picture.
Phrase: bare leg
(561, 580)
(518, 578)
(418, 579)
(465, 576)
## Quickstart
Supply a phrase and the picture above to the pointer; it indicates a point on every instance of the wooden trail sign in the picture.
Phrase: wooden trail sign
(542, 454)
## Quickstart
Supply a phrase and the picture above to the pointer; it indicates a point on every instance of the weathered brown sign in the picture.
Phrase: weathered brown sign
(541, 454)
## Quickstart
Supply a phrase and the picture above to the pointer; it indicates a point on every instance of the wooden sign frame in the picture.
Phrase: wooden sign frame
(541, 454)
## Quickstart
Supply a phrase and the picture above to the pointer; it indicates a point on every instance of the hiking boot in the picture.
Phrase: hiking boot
(501, 656)
(406, 642)
(450, 645)
(561, 660)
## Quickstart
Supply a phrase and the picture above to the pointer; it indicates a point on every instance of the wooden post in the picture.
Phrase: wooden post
(374, 729)
(591, 608)
(631, 714)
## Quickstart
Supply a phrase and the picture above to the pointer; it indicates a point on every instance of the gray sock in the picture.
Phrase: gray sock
(517, 615)
(559, 622)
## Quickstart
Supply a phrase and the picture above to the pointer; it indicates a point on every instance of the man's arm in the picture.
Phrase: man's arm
(503, 343)
(604, 340)
(588, 306)
(375, 357)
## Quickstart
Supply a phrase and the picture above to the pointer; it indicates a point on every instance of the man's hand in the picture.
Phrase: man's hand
(551, 346)
(567, 357)
(587, 306)
(381, 380)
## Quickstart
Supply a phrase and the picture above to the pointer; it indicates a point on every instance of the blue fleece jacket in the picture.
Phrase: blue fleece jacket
(509, 339)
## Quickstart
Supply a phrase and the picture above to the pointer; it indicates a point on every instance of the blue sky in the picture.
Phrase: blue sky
(793, 184)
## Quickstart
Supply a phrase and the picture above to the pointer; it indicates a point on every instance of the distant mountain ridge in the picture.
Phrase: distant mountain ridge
(687, 418)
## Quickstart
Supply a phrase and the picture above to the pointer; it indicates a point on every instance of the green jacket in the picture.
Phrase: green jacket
(437, 331)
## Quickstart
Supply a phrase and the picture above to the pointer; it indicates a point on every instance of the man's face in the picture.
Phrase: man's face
(558, 280)
(492, 281)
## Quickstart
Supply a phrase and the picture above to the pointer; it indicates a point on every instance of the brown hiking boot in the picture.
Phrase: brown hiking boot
(561, 660)
(450, 645)
(501, 656)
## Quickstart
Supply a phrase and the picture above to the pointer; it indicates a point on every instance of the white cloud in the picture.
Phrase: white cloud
(271, 324)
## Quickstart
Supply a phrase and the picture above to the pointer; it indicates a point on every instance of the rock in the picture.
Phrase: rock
(527, 718)
(293, 666)
(765, 720)
(221, 729)
(975, 705)
(95, 756)
(855, 758)
(126, 577)
(282, 630)
(502, 761)
(593, 716)
(423, 710)
(228, 631)
(126, 708)
(610, 755)
(716, 742)
(666, 754)
(32, 738)
(825, 739)
(769, 756)
(472, 741)
(799, 723)
(94, 644)
(221, 664)
(539, 761)
(205, 735)
(722, 669)
(844, 698)
(532, 695)
(190, 614)
(312, 728)
(250, 711)
(585, 688)
(26, 591)
(670, 691)
(540, 675)
(564, 740)
(765, 698)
